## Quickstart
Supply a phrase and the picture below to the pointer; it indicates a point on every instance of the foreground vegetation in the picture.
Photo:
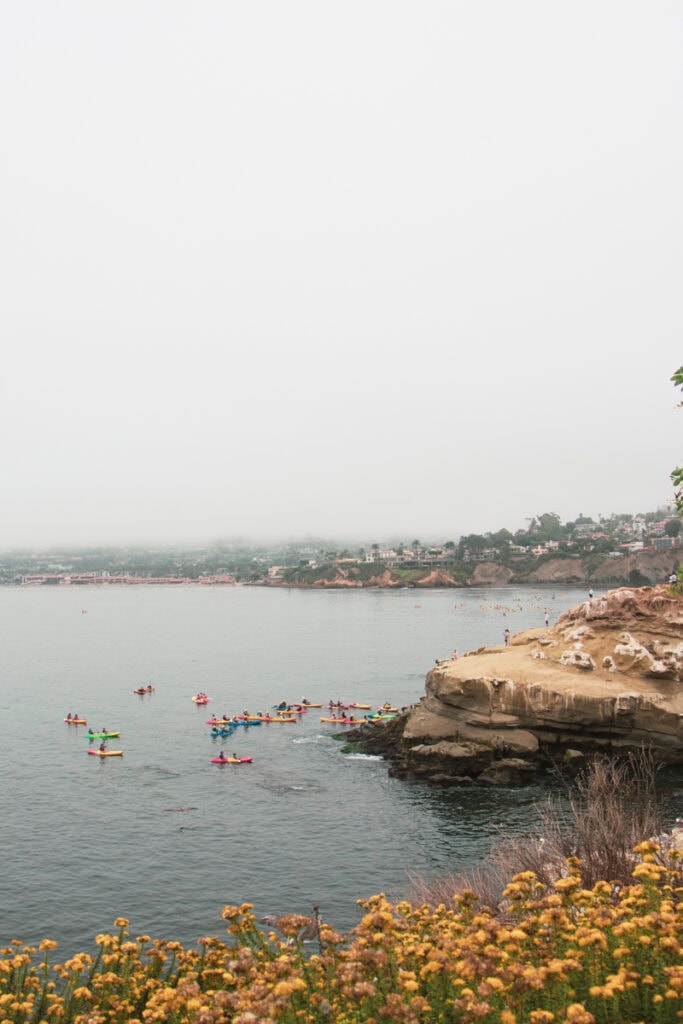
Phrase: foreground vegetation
(550, 953)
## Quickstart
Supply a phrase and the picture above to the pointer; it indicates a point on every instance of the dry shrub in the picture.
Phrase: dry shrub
(606, 810)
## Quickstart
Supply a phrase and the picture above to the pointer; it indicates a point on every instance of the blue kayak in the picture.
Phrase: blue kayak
(226, 731)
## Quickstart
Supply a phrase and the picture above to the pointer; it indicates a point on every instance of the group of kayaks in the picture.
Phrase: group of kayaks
(340, 713)
(223, 727)
(282, 713)
(104, 735)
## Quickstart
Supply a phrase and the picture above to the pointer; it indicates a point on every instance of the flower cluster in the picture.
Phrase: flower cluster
(551, 955)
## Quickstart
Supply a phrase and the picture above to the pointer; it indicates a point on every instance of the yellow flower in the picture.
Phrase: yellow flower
(565, 884)
(578, 1014)
(507, 1017)
(648, 846)
(283, 988)
(229, 913)
(121, 922)
(495, 983)
(651, 871)
(431, 967)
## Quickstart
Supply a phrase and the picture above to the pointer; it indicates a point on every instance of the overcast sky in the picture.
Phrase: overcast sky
(364, 269)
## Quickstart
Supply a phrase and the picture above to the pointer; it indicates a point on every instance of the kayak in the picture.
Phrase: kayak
(280, 718)
(223, 733)
(342, 721)
(231, 760)
(364, 707)
(143, 690)
(219, 721)
(101, 735)
(201, 700)
(106, 753)
(76, 721)
(306, 704)
(337, 707)
(386, 709)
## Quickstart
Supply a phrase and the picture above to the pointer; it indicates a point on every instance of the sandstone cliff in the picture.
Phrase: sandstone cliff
(600, 570)
(607, 677)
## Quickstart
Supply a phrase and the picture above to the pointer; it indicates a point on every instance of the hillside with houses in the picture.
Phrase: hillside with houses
(621, 549)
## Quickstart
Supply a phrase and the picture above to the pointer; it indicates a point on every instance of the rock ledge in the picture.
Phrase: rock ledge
(606, 678)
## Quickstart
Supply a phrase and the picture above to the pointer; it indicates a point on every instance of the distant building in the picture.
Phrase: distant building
(666, 542)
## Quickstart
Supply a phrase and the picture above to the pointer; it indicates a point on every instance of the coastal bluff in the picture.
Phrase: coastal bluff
(607, 677)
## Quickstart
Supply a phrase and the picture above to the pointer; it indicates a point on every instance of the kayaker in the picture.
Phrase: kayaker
(222, 756)
(68, 717)
(103, 746)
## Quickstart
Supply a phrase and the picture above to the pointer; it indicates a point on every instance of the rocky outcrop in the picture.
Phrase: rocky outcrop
(650, 564)
(335, 582)
(608, 677)
(437, 578)
(560, 570)
(491, 574)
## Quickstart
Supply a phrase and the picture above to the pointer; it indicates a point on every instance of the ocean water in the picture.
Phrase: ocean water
(166, 838)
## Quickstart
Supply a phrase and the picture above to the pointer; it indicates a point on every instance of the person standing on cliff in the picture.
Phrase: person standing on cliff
(547, 617)
(590, 593)
(506, 637)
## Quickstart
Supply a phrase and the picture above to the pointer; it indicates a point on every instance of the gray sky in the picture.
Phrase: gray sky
(363, 269)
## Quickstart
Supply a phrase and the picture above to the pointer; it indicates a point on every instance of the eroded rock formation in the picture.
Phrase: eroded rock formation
(607, 677)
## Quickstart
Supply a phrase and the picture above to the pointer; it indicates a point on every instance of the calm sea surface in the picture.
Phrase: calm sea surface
(86, 840)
